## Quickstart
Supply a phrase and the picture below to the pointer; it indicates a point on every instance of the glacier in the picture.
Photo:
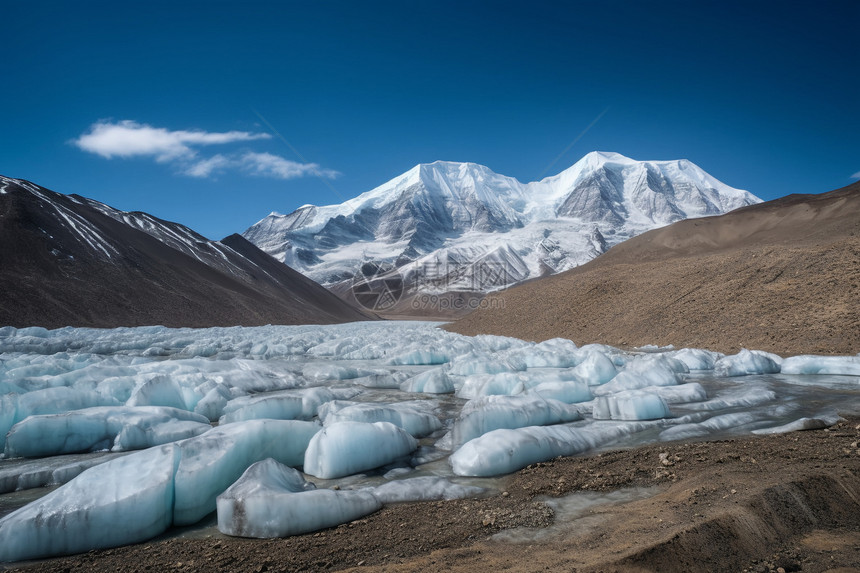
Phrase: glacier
(370, 413)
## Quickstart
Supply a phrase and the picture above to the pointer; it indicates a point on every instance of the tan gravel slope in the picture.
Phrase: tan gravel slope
(782, 276)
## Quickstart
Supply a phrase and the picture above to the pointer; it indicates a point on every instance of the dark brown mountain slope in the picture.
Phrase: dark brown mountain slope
(782, 276)
(67, 260)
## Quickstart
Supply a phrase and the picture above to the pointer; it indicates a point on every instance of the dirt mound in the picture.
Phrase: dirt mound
(782, 276)
(757, 528)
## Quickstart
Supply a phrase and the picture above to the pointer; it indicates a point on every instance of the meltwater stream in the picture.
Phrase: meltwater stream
(373, 413)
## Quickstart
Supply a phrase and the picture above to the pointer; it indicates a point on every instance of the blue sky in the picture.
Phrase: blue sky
(215, 113)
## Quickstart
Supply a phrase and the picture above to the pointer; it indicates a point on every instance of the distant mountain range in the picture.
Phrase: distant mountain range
(455, 229)
(68, 260)
(445, 226)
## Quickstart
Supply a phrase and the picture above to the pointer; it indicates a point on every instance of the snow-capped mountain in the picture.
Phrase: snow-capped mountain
(69, 260)
(449, 226)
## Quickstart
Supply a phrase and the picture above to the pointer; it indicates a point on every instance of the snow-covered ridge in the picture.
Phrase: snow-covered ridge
(464, 212)
(86, 233)
(91, 236)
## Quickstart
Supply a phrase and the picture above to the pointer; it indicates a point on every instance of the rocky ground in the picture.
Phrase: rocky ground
(774, 503)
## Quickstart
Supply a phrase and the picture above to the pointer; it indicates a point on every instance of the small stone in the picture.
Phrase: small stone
(505, 494)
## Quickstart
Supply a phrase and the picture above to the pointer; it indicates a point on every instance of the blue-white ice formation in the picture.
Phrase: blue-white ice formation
(630, 405)
(406, 415)
(115, 428)
(135, 497)
(273, 500)
(377, 408)
(123, 501)
(214, 460)
(300, 404)
(838, 365)
(345, 448)
(488, 413)
(747, 362)
(433, 381)
(505, 451)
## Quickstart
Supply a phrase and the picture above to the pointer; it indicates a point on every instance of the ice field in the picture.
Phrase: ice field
(115, 436)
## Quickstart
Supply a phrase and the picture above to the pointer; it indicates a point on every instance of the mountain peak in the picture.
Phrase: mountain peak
(450, 170)
(606, 157)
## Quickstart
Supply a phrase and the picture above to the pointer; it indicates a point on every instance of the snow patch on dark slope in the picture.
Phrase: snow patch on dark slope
(69, 260)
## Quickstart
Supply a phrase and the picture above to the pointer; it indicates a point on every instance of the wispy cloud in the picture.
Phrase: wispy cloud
(269, 165)
(208, 167)
(257, 165)
(128, 138)
(856, 175)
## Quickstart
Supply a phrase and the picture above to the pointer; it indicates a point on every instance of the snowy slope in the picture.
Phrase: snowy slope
(437, 222)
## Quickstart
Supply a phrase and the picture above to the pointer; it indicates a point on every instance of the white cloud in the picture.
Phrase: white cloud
(856, 175)
(128, 138)
(269, 165)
